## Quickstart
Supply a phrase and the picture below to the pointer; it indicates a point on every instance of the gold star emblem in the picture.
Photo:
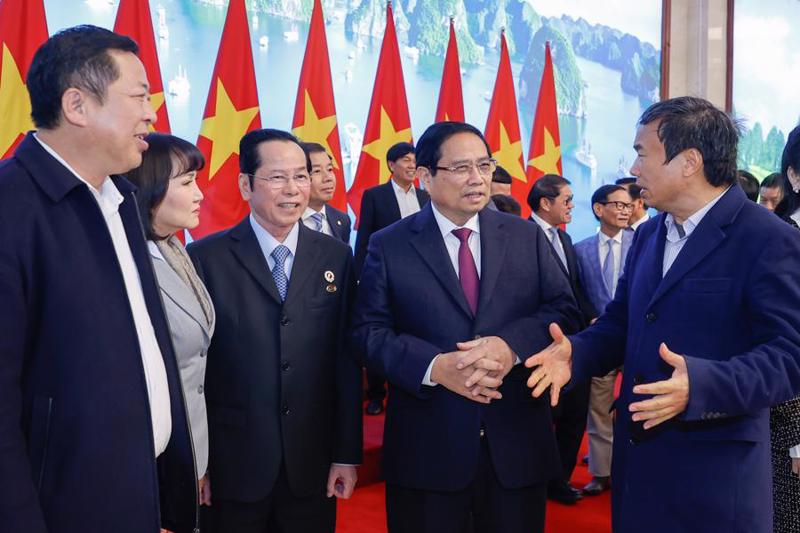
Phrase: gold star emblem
(156, 101)
(388, 137)
(509, 154)
(225, 129)
(547, 161)
(316, 129)
(15, 103)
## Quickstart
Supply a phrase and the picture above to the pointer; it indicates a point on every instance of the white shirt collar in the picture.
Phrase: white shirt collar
(446, 226)
(310, 211)
(641, 221)
(399, 190)
(268, 243)
(690, 223)
(542, 223)
(605, 238)
(108, 197)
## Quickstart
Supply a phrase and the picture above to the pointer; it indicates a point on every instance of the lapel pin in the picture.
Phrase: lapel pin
(331, 288)
(329, 277)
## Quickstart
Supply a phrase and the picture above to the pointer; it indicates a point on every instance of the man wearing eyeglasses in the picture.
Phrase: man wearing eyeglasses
(283, 396)
(447, 300)
(601, 261)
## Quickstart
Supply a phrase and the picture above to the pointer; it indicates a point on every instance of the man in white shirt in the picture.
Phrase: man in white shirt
(382, 206)
(320, 216)
(601, 261)
(88, 377)
(447, 300)
(706, 322)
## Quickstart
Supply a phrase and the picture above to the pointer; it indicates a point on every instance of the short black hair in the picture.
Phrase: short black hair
(688, 122)
(548, 186)
(313, 148)
(167, 156)
(600, 196)
(790, 158)
(249, 161)
(748, 183)
(399, 150)
(634, 190)
(501, 175)
(507, 204)
(772, 180)
(429, 146)
(75, 57)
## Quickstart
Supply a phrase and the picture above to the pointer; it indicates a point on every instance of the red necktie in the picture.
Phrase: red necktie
(467, 272)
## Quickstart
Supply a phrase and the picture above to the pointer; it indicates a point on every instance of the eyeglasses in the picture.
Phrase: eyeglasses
(619, 206)
(279, 182)
(485, 167)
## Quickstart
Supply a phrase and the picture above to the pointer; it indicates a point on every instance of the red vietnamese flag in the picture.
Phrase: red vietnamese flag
(231, 111)
(133, 20)
(502, 127)
(451, 101)
(23, 28)
(388, 122)
(545, 150)
(315, 110)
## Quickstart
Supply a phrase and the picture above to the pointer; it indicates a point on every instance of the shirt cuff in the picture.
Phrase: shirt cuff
(427, 379)
(794, 453)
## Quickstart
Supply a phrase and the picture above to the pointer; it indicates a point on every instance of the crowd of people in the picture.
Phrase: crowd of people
(149, 386)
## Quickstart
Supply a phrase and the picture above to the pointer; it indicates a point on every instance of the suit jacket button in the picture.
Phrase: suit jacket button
(200, 389)
(285, 409)
(651, 317)
(638, 379)
(285, 320)
(285, 366)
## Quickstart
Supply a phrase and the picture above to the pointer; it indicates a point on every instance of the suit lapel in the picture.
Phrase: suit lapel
(494, 241)
(305, 260)
(428, 242)
(247, 250)
(177, 291)
(334, 222)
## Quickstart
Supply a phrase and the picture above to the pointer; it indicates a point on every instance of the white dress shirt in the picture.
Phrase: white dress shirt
(268, 243)
(556, 242)
(108, 199)
(310, 224)
(639, 222)
(603, 242)
(406, 200)
(674, 242)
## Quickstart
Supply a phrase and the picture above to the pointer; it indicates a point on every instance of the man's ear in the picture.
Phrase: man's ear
(598, 209)
(692, 162)
(244, 187)
(545, 203)
(424, 176)
(74, 106)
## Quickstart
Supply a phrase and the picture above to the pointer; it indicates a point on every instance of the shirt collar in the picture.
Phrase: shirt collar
(108, 197)
(690, 223)
(446, 226)
(641, 221)
(268, 243)
(542, 223)
(399, 190)
(605, 238)
(309, 212)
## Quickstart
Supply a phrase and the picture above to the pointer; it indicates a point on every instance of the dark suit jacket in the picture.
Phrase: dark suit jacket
(410, 308)
(279, 386)
(729, 304)
(378, 209)
(76, 439)
(339, 222)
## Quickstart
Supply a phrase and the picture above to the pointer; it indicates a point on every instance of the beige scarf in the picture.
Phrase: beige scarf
(175, 255)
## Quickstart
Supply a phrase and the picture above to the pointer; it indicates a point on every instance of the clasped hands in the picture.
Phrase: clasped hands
(553, 369)
(476, 369)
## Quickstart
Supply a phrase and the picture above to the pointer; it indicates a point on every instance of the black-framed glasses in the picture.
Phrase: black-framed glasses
(485, 167)
(619, 206)
(280, 181)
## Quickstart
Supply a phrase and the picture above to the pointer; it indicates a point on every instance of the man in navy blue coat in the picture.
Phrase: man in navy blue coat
(93, 431)
(448, 300)
(707, 323)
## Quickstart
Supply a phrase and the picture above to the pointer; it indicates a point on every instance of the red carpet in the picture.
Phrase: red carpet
(365, 512)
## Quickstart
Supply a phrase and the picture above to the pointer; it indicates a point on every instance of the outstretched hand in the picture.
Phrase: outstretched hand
(553, 366)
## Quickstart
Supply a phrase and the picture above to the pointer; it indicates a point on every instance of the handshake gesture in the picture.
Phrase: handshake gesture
(476, 369)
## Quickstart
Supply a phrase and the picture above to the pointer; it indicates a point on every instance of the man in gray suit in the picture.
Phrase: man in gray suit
(601, 261)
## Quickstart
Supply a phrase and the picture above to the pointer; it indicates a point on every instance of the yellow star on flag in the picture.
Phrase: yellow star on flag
(316, 129)
(225, 129)
(547, 161)
(15, 103)
(388, 137)
(156, 101)
(509, 154)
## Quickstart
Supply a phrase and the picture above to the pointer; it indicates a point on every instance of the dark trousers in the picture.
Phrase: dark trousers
(280, 512)
(483, 507)
(376, 390)
(569, 419)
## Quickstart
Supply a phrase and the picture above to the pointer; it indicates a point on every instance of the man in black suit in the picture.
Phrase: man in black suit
(381, 206)
(448, 300)
(320, 216)
(283, 395)
(550, 200)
